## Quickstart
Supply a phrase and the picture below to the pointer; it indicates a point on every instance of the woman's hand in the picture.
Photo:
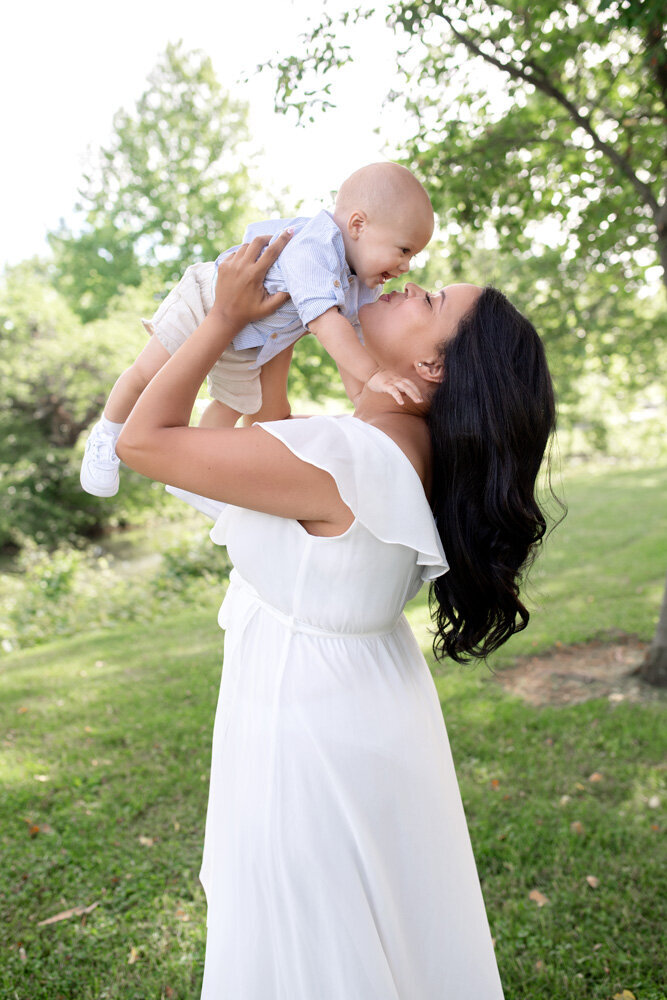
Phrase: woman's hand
(240, 295)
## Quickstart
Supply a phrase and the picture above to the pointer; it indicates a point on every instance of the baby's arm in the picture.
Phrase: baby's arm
(337, 337)
(353, 386)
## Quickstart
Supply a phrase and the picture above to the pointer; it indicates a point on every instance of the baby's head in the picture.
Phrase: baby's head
(385, 217)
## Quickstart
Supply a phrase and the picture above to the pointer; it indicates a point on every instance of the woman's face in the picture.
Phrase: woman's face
(405, 329)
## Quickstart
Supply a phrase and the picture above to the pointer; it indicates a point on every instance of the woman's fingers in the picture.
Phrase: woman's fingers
(272, 251)
(240, 291)
(273, 302)
(255, 247)
(260, 250)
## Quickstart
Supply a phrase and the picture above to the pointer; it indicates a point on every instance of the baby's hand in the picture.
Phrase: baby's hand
(384, 380)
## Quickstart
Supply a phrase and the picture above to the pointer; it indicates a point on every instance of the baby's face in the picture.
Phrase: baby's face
(383, 249)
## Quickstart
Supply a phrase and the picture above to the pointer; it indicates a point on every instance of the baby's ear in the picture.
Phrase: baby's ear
(356, 223)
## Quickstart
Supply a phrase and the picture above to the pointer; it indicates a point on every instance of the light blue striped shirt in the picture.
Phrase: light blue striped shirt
(313, 270)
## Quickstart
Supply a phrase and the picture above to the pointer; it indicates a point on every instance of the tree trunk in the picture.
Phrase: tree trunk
(653, 670)
(661, 228)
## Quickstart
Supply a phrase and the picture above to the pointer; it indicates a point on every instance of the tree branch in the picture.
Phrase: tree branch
(540, 81)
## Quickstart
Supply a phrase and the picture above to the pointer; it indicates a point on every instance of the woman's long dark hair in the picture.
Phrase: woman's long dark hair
(490, 421)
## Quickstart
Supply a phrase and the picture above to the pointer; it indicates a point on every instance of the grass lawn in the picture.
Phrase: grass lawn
(106, 741)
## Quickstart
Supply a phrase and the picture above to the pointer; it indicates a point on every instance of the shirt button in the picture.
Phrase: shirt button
(336, 283)
(273, 336)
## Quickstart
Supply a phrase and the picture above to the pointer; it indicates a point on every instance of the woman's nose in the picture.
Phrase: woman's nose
(413, 289)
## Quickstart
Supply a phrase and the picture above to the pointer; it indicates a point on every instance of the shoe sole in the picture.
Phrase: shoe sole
(97, 491)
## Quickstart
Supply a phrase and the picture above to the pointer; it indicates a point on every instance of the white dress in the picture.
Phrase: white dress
(337, 862)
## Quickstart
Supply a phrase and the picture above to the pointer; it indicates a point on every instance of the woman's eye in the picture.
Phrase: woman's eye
(428, 299)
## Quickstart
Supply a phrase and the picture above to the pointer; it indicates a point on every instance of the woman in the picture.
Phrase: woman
(337, 862)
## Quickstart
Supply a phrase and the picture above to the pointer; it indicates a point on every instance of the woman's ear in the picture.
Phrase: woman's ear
(430, 371)
(356, 224)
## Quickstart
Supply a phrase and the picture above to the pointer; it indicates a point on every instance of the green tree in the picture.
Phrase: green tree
(171, 188)
(540, 133)
(55, 373)
(529, 116)
(543, 125)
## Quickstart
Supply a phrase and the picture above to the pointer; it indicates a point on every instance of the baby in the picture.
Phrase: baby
(332, 266)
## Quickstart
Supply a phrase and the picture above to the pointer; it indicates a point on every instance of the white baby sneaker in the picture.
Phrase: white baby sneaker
(99, 468)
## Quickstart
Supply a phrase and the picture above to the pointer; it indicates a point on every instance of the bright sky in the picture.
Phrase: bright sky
(66, 67)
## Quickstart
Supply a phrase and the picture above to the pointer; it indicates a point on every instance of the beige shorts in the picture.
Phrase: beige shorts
(231, 380)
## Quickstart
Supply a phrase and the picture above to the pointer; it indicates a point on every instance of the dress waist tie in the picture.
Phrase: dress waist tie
(242, 600)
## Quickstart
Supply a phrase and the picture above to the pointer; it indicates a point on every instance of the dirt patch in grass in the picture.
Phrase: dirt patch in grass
(567, 675)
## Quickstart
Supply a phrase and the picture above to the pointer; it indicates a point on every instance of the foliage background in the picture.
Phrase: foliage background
(106, 722)
(528, 198)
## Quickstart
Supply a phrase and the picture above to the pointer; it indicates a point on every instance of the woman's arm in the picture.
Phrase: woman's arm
(246, 467)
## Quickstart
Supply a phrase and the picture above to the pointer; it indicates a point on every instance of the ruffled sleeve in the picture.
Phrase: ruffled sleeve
(374, 478)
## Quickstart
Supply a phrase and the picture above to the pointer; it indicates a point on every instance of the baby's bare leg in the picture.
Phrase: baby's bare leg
(273, 377)
(130, 385)
(218, 414)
